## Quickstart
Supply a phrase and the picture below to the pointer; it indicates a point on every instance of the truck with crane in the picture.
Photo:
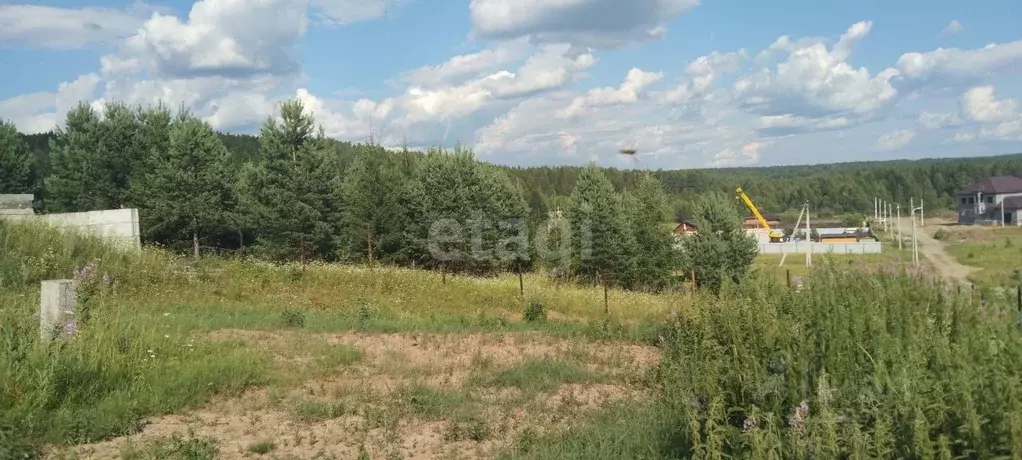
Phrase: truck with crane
(775, 236)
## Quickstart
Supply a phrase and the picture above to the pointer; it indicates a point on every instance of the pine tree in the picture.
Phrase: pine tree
(372, 217)
(153, 143)
(445, 195)
(73, 164)
(508, 213)
(603, 247)
(292, 191)
(720, 249)
(15, 161)
(188, 186)
(93, 159)
(650, 214)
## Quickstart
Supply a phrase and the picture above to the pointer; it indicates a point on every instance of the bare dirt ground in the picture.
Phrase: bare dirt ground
(410, 396)
(946, 266)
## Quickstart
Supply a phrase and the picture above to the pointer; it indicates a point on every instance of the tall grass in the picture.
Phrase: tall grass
(855, 365)
(110, 374)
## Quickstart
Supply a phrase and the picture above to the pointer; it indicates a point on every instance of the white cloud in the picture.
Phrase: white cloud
(467, 65)
(895, 139)
(550, 68)
(815, 81)
(964, 136)
(66, 28)
(957, 64)
(634, 85)
(1008, 130)
(953, 27)
(980, 104)
(220, 37)
(41, 112)
(934, 120)
(702, 73)
(593, 23)
(342, 12)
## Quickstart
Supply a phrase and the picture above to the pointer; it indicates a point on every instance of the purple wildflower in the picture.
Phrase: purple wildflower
(797, 420)
(70, 328)
(107, 279)
(750, 424)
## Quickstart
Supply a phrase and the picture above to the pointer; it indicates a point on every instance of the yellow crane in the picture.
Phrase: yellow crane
(775, 236)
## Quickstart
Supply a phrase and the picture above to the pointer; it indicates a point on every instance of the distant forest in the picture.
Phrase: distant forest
(838, 189)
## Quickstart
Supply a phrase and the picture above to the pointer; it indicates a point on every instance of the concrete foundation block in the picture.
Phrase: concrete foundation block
(57, 307)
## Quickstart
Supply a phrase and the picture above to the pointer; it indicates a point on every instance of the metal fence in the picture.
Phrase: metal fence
(864, 247)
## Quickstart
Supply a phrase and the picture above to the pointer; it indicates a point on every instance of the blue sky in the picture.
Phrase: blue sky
(688, 83)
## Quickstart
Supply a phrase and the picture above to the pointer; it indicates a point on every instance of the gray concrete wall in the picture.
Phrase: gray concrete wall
(16, 204)
(120, 226)
(865, 247)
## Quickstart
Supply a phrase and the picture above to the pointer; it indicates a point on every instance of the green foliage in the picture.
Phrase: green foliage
(470, 428)
(373, 215)
(940, 234)
(187, 187)
(469, 217)
(117, 368)
(174, 447)
(534, 312)
(720, 251)
(655, 246)
(854, 366)
(291, 193)
(537, 374)
(94, 158)
(15, 161)
(603, 246)
(262, 447)
(290, 317)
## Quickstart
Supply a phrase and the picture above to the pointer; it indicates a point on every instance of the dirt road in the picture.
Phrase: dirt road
(933, 250)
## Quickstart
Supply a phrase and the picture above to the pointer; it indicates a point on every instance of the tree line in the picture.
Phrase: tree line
(293, 194)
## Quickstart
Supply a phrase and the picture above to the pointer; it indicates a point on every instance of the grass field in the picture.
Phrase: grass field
(241, 359)
(996, 251)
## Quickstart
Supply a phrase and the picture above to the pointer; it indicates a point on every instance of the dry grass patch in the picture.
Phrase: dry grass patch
(405, 396)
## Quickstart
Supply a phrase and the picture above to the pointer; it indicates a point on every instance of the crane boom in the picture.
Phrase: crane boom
(774, 235)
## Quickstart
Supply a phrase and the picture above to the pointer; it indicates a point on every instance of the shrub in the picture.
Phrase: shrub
(940, 234)
(292, 318)
(262, 447)
(534, 312)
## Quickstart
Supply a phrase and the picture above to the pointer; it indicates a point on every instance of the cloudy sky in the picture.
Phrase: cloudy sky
(688, 83)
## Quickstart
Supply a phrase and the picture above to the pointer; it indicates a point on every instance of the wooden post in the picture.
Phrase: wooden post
(1018, 297)
(693, 280)
(606, 304)
(787, 275)
(443, 273)
(369, 240)
(521, 284)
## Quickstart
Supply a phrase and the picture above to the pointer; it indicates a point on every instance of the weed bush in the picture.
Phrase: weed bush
(940, 234)
(111, 373)
(534, 312)
(292, 318)
(174, 447)
(853, 366)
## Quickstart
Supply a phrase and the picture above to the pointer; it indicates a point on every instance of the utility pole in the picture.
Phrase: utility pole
(809, 235)
(899, 226)
(922, 215)
(915, 241)
(889, 219)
